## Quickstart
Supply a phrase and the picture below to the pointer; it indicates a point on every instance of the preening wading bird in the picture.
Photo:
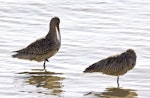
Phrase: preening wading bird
(43, 48)
(115, 65)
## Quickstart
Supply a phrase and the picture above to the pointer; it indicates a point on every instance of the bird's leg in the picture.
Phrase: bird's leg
(44, 64)
(118, 81)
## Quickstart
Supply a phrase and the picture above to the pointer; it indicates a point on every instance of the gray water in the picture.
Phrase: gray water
(91, 30)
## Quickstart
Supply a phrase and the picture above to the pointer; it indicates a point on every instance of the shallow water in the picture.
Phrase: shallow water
(91, 30)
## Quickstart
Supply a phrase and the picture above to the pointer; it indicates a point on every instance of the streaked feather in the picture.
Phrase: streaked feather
(115, 65)
(39, 47)
(44, 48)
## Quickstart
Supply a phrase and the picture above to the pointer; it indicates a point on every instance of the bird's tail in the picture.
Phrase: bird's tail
(90, 69)
(20, 56)
(14, 56)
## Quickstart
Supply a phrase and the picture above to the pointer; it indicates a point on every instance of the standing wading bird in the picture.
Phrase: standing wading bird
(115, 65)
(43, 48)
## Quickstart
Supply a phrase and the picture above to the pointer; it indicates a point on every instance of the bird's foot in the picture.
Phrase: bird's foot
(38, 69)
(47, 60)
(44, 70)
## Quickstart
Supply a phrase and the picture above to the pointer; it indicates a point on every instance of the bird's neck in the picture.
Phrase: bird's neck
(53, 34)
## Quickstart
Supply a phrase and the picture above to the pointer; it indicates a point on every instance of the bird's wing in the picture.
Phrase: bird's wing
(96, 67)
(107, 65)
(39, 47)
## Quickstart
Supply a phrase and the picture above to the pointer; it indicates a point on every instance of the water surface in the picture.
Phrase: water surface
(91, 30)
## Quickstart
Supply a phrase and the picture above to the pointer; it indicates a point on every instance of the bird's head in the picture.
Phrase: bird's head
(55, 22)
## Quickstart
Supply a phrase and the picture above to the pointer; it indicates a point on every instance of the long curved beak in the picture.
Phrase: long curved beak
(58, 28)
(58, 32)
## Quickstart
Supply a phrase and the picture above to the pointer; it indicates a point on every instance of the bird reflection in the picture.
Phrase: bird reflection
(114, 93)
(49, 80)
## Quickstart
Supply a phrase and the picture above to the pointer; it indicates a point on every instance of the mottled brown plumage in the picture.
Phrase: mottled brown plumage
(115, 65)
(43, 48)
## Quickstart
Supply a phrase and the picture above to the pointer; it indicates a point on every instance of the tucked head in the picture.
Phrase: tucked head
(55, 23)
(131, 53)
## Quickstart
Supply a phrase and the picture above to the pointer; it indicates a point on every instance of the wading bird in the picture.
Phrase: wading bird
(43, 48)
(115, 65)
